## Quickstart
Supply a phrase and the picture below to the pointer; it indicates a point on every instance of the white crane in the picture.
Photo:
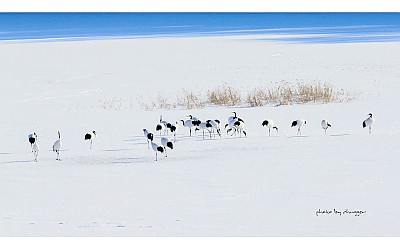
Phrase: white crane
(192, 122)
(188, 124)
(156, 148)
(368, 122)
(193, 118)
(161, 127)
(239, 126)
(32, 139)
(231, 126)
(57, 146)
(35, 148)
(231, 118)
(299, 123)
(91, 136)
(173, 128)
(149, 136)
(270, 124)
(203, 126)
(213, 125)
(325, 125)
(166, 144)
(231, 123)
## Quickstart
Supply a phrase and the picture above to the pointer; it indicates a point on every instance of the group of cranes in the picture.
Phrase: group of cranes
(235, 125)
(324, 124)
(165, 127)
(33, 140)
(157, 148)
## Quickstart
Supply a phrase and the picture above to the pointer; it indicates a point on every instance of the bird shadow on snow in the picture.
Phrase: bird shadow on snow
(298, 136)
(234, 137)
(115, 150)
(206, 139)
(136, 138)
(340, 135)
(130, 160)
(11, 162)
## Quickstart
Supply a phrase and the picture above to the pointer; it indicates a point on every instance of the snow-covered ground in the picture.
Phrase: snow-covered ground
(229, 186)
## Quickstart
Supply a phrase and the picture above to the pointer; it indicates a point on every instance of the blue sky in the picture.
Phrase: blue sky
(341, 27)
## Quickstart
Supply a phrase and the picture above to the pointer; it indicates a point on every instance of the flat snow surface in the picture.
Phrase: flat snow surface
(229, 186)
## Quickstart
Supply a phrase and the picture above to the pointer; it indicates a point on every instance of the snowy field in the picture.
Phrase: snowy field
(229, 186)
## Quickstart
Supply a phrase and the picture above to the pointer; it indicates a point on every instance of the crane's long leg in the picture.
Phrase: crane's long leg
(234, 132)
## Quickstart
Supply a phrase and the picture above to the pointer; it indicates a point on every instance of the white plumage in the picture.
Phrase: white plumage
(192, 122)
(35, 148)
(299, 123)
(230, 126)
(269, 124)
(368, 122)
(32, 139)
(234, 123)
(91, 136)
(57, 146)
(325, 125)
(149, 136)
(214, 125)
(156, 148)
(203, 126)
(166, 144)
(239, 126)
(161, 127)
(193, 118)
(173, 128)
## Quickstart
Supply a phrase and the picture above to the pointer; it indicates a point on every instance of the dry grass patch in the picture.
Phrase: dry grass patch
(224, 95)
(286, 93)
(190, 100)
(281, 93)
